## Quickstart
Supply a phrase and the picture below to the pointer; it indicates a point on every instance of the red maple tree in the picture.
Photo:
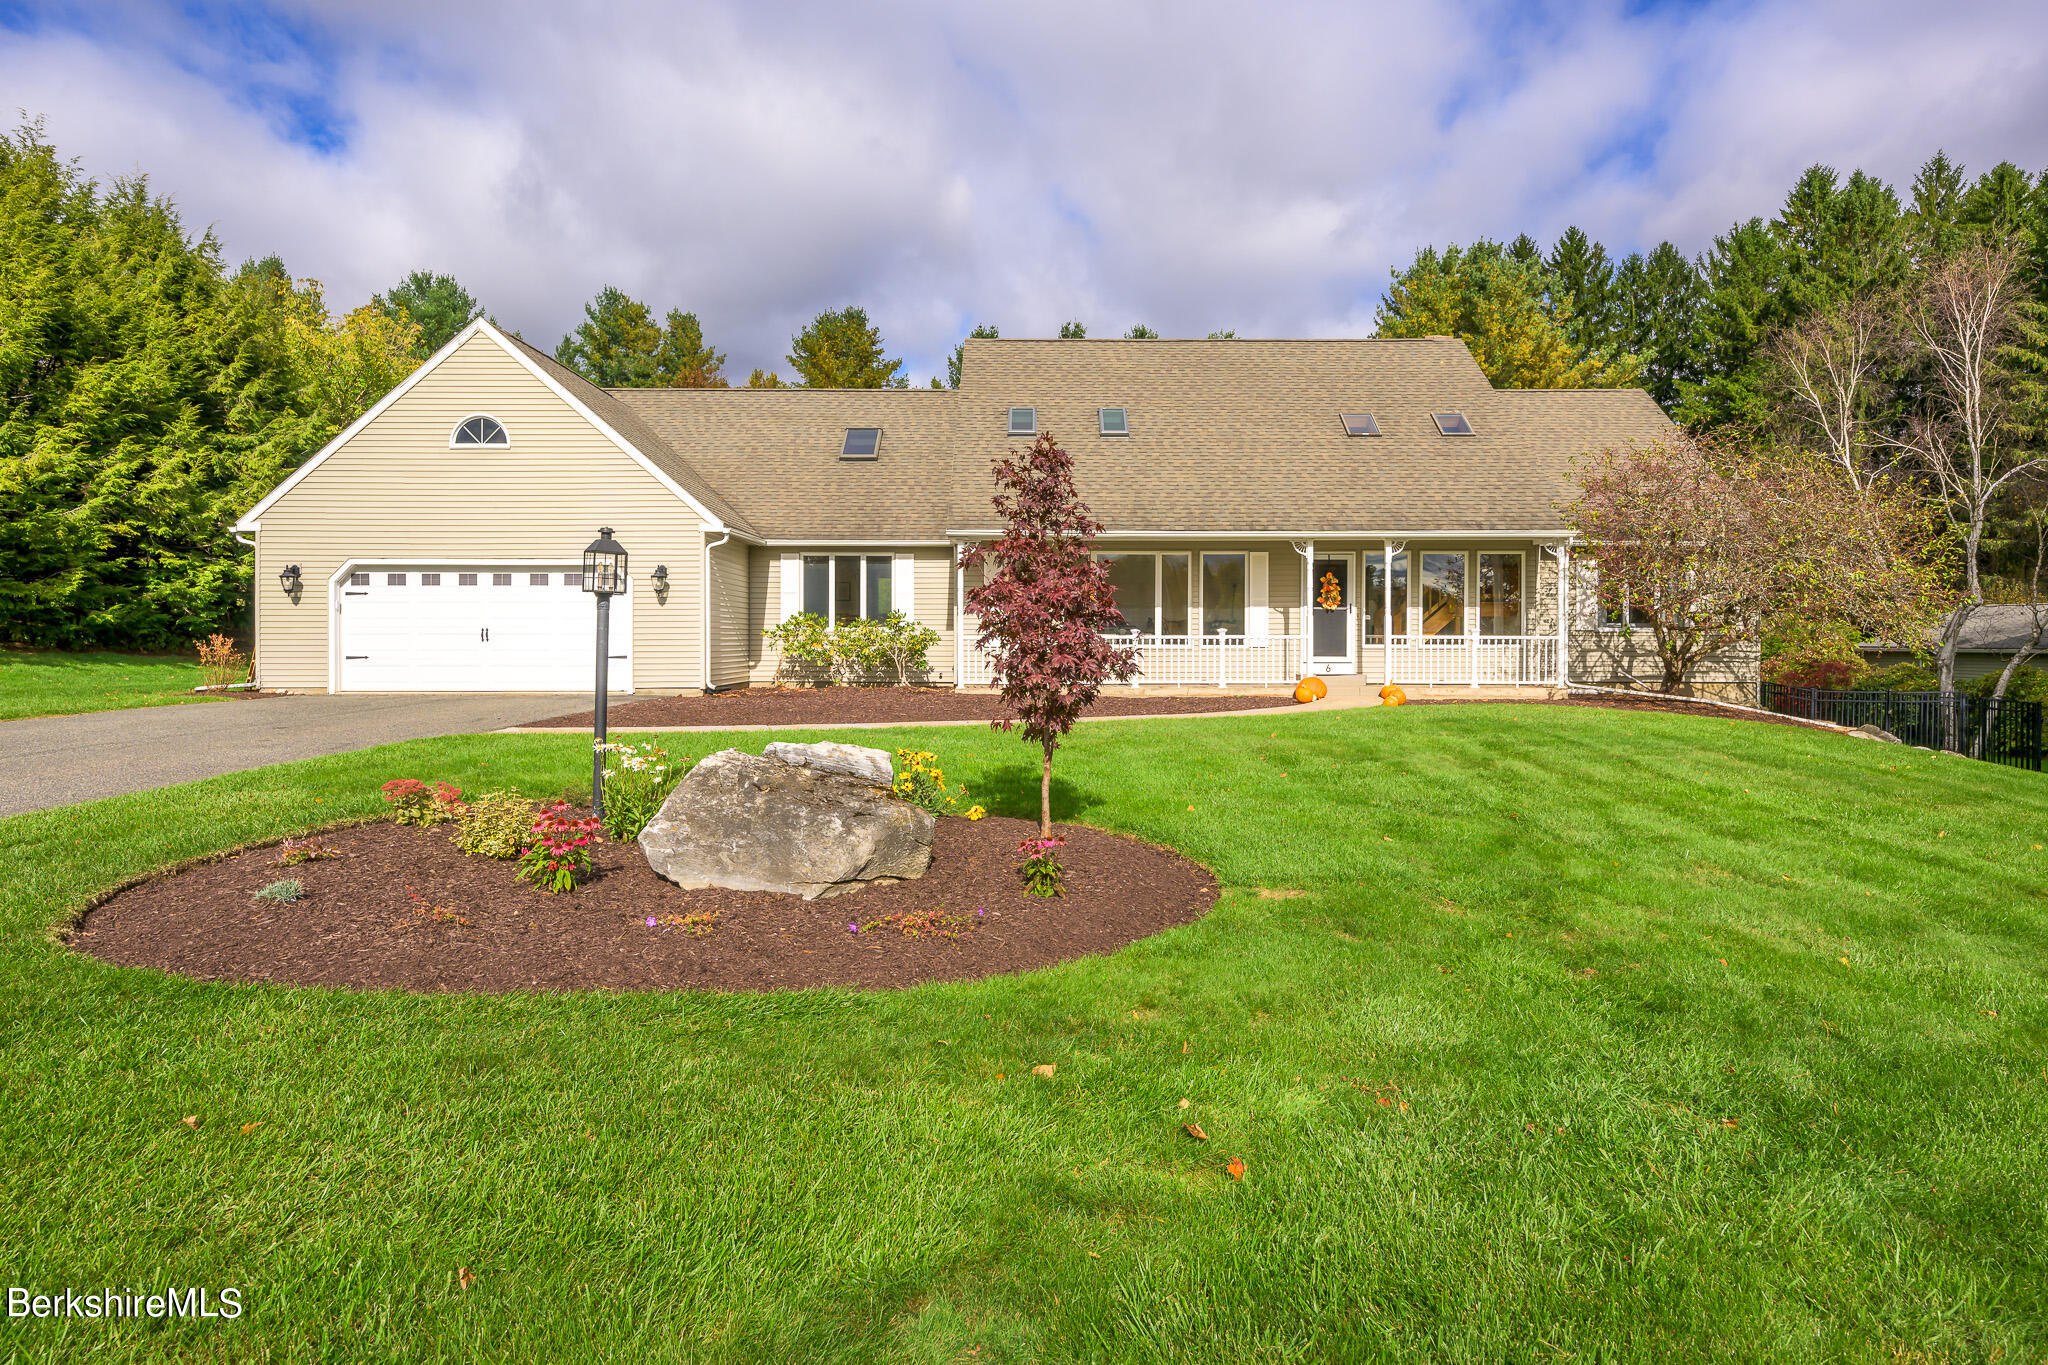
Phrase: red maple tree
(1045, 603)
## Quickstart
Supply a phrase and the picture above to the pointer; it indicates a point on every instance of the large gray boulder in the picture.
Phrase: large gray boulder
(753, 823)
(870, 765)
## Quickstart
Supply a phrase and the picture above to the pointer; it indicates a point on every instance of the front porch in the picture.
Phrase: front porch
(1482, 613)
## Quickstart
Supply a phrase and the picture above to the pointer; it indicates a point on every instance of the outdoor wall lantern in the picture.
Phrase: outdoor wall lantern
(660, 576)
(604, 575)
(288, 578)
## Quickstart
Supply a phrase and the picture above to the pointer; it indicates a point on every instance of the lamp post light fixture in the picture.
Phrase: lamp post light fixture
(604, 574)
(660, 580)
(288, 578)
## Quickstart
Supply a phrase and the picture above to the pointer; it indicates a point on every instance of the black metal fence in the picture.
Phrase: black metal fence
(2002, 731)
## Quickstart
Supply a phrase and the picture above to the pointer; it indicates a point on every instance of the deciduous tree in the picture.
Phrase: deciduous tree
(1045, 603)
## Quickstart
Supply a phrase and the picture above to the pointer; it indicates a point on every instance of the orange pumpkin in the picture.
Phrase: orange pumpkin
(1322, 688)
(1390, 695)
(1308, 689)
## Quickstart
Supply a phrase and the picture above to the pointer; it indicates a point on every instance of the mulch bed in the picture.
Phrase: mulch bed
(401, 908)
(823, 706)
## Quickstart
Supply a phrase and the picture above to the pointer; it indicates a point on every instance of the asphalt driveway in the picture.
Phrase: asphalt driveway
(58, 760)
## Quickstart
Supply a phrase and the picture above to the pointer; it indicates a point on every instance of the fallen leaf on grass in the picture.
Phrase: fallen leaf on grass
(249, 1128)
(1187, 1104)
(1096, 1254)
(1844, 961)
(999, 1076)
(465, 1276)
(1236, 1168)
(1729, 1123)
(1194, 1130)
(190, 1121)
(1045, 1070)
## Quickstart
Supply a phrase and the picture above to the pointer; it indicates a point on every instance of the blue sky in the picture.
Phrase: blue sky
(1189, 165)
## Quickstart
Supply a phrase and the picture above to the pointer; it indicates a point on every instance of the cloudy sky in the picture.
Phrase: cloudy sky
(1189, 165)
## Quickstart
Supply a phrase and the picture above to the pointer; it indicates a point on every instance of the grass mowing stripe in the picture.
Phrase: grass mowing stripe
(1512, 921)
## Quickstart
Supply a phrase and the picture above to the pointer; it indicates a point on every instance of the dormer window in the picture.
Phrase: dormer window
(1360, 424)
(480, 431)
(1023, 421)
(1114, 421)
(861, 443)
(1453, 424)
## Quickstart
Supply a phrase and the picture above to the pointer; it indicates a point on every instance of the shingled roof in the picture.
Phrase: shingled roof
(775, 452)
(1246, 435)
(1224, 436)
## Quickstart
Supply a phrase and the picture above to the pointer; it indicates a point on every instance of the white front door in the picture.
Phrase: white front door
(474, 628)
(1333, 633)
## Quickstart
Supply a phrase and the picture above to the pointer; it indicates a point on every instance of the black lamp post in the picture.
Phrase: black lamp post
(604, 573)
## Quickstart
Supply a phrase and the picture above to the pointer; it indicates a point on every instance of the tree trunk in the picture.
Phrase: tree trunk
(1045, 799)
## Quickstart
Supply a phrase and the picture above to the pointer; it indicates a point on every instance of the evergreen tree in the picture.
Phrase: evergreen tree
(1508, 311)
(959, 356)
(2001, 204)
(616, 344)
(842, 350)
(1934, 223)
(1229, 334)
(1654, 308)
(682, 360)
(1140, 332)
(1073, 331)
(1525, 250)
(1586, 277)
(765, 379)
(436, 304)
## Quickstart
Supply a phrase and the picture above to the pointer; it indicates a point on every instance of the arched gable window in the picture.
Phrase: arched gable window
(480, 431)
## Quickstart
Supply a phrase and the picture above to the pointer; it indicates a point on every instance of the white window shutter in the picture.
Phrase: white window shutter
(792, 587)
(1255, 597)
(903, 591)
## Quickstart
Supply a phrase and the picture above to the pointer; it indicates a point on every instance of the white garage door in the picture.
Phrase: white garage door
(475, 628)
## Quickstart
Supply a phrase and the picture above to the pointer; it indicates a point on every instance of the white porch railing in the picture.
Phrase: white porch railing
(1233, 660)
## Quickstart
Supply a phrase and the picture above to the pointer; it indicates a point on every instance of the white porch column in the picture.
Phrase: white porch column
(1391, 549)
(1564, 613)
(1302, 628)
(959, 620)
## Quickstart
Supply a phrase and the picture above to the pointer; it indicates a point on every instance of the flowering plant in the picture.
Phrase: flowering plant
(637, 779)
(559, 856)
(936, 923)
(1043, 875)
(292, 852)
(413, 802)
(1329, 596)
(923, 783)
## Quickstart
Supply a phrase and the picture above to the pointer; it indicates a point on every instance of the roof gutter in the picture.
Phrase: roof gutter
(705, 594)
(1118, 533)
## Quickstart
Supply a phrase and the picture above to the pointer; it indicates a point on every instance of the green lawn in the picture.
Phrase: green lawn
(53, 683)
(1596, 1036)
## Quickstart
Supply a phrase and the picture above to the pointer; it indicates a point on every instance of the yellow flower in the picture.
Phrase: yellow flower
(975, 812)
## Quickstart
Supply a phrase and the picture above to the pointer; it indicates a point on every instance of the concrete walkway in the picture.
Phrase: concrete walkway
(1292, 708)
(58, 760)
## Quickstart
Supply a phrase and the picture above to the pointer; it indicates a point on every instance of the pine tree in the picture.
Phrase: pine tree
(436, 304)
(682, 360)
(1073, 331)
(1934, 223)
(614, 346)
(1586, 277)
(842, 350)
(1140, 332)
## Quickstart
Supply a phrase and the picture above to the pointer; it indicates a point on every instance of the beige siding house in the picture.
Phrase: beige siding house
(1366, 509)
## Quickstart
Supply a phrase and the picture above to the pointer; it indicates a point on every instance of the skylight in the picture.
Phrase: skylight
(1453, 424)
(861, 443)
(1360, 424)
(1115, 421)
(1023, 421)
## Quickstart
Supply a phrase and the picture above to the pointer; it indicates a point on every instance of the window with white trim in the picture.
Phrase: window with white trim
(1500, 593)
(1225, 593)
(480, 431)
(1151, 592)
(849, 587)
(359, 580)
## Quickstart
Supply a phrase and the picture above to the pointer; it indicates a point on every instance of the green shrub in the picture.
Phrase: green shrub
(1908, 675)
(413, 802)
(804, 641)
(853, 651)
(2028, 684)
(497, 825)
(283, 892)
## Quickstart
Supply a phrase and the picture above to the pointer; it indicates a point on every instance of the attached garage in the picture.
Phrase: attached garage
(473, 627)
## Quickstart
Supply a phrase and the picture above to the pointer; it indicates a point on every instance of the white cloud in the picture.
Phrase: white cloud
(1191, 166)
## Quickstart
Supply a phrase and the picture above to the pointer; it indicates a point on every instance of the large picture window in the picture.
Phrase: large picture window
(1223, 594)
(1500, 594)
(849, 587)
(1443, 593)
(1151, 592)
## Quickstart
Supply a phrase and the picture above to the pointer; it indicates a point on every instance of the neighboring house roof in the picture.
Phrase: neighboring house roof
(775, 452)
(1996, 628)
(1246, 435)
(626, 422)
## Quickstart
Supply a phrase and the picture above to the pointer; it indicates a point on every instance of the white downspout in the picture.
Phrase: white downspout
(704, 585)
(959, 619)
(252, 603)
(1564, 618)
